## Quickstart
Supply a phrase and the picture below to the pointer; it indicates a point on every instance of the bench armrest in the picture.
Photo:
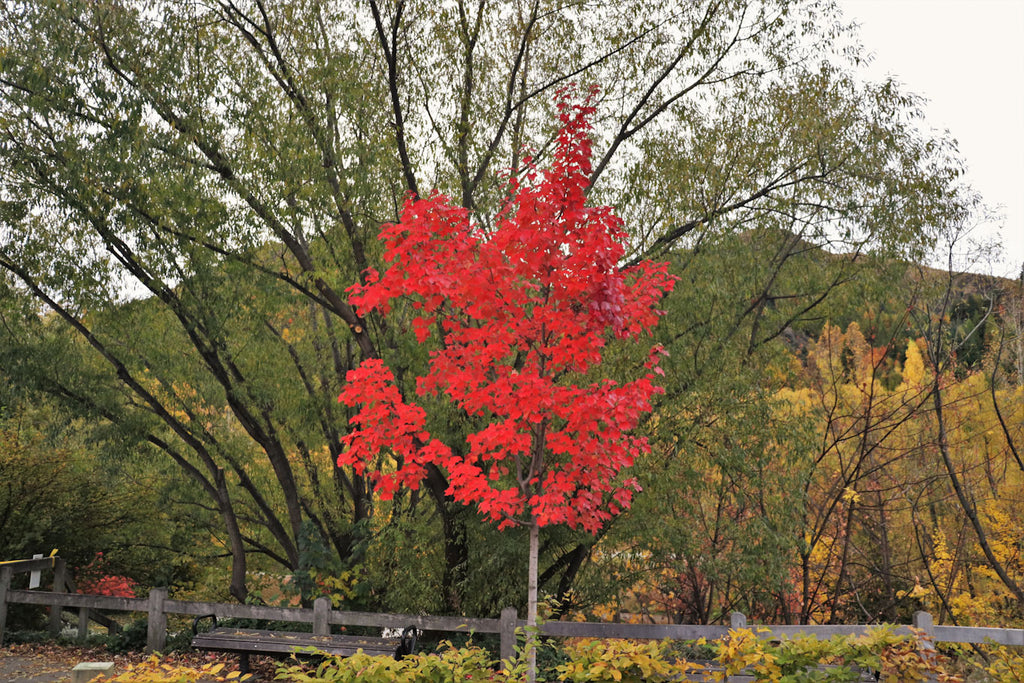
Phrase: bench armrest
(195, 622)
(407, 643)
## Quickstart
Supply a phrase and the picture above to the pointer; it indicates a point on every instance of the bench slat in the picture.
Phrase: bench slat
(256, 641)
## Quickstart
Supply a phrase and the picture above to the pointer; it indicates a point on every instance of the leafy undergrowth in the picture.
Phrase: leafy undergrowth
(895, 658)
(157, 669)
(797, 660)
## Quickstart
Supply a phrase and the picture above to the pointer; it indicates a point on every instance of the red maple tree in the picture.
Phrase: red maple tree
(522, 313)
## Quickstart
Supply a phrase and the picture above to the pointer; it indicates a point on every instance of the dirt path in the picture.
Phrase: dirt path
(48, 663)
(40, 664)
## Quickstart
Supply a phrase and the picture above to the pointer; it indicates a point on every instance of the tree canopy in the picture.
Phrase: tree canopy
(187, 190)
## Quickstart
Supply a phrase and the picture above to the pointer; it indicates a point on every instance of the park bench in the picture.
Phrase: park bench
(250, 641)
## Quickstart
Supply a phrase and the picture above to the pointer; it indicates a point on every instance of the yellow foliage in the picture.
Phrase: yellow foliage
(1005, 665)
(743, 652)
(913, 367)
(621, 660)
(155, 670)
(795, 402)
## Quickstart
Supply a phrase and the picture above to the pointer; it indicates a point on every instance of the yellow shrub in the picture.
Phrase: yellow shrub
(154, 670)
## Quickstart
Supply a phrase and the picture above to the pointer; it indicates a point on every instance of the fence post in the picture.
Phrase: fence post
(36, 574)
(156, 623)
(60, 570)
(737, 620)
(6, 572)
(321, 616)
(83, 624)
(509, 616)
(924, 622)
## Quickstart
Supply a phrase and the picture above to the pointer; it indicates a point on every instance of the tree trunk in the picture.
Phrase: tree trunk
(456, 548)
(238, 589)
(531, 603)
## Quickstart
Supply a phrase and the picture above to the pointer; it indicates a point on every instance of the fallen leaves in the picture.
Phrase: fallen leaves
(52, 663)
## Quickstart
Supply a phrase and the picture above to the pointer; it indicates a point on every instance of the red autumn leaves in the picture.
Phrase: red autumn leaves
(522, 311)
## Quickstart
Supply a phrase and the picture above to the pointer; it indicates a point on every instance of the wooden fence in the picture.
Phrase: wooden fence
(157, 607)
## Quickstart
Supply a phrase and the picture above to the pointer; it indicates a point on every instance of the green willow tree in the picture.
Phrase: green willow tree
(190, 187)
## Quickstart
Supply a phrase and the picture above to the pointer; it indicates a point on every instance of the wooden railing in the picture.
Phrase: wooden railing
(62, 584)
(322, 616)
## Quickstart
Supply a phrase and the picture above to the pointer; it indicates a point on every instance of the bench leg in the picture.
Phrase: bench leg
(243, 663)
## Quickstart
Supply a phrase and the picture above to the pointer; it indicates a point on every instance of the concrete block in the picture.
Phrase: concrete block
(86, 671)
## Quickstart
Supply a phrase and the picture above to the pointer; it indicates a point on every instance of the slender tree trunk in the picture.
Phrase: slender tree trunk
(886, 560)
(843, 558)
(531, 602)
(805, 587)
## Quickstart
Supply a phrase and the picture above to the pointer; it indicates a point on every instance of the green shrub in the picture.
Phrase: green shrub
(804, 659)
(800, 659)
(622, 660)
(26, 636)
(132, 638)
(463, 665)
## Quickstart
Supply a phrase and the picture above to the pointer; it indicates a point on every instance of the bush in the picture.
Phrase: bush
(841, 658)
(132, 638)
(622, 660)
(155, 670)
(790, 660)
(1005, 665)
(463, 665)
(95, 579)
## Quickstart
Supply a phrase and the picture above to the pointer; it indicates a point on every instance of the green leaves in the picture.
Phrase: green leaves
(231, 164)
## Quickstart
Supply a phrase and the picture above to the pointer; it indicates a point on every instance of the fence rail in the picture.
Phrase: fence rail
(61, 583)
(322, 616)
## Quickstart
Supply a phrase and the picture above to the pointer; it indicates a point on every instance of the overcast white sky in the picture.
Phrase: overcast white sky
(967, 58)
